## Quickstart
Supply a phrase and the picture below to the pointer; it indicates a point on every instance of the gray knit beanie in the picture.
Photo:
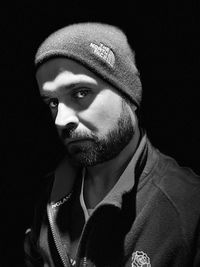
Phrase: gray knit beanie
(101, 48)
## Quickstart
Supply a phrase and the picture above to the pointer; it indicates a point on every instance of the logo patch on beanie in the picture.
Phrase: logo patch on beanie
(104, 52)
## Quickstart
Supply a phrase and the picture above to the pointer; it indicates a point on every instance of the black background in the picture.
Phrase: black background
(165, 37)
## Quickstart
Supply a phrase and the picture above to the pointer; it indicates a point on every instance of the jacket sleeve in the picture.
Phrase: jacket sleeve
(32, 256)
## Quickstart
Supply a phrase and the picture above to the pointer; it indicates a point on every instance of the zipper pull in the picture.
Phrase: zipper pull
(73, 262)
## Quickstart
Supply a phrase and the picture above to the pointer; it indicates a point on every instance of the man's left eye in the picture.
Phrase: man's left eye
(81, 93)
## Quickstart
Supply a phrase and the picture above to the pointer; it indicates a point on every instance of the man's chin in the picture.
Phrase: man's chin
(79, 147)
(82, 159)
(80, 154)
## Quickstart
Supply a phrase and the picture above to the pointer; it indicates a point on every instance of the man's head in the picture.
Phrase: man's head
(86, 92)
(102, 48)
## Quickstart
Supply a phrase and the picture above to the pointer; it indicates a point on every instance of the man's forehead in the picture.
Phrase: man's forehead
(68, 80)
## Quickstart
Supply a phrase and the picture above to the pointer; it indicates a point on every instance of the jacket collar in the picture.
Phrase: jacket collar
(65, 177)
(127, 179)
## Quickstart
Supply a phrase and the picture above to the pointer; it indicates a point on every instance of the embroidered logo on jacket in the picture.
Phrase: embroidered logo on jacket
(140, 259)
(104, 52)
(62, 201)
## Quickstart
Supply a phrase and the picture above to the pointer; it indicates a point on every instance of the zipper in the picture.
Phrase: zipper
(81, 237)
(64, 259)
(84, 262)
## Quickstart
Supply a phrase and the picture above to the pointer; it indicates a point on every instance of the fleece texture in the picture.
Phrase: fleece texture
(102, 48)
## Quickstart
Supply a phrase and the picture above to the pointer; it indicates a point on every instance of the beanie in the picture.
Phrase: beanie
(101, 48)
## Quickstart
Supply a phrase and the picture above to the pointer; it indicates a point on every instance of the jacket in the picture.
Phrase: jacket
(150, 219)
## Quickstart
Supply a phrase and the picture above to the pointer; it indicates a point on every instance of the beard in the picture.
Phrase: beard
(96, 150)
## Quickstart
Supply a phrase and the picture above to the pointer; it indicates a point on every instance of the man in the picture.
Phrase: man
(114, 200)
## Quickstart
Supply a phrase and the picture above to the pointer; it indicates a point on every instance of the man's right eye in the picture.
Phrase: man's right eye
(53, 102)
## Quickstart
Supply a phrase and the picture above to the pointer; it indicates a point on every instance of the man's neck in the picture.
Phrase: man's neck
(100, 179)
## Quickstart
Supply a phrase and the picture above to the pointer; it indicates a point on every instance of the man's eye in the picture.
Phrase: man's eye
(53, 103)
(81, 93)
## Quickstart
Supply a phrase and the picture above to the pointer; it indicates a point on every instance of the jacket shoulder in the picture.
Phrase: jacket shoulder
(179, 183)
(181, 186)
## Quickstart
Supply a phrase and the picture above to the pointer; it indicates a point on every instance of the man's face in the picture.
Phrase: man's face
(93, 121)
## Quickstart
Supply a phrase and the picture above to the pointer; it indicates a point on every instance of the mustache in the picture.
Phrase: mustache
(67, 133)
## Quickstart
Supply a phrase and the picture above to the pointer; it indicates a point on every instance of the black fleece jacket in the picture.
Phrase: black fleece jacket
(150, 219)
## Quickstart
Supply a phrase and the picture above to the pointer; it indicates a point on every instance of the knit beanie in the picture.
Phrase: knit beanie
(101, 48)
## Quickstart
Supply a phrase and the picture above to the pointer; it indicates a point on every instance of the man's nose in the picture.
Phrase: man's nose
(66, 117)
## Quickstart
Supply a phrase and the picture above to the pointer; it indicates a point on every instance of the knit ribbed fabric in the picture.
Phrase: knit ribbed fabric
(101, 48)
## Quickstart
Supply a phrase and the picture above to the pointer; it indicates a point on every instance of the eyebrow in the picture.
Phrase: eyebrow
(70, 86)
(67, 84)
(51, 94)
(43, 96)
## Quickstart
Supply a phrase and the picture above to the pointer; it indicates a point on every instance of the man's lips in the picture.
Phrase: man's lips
(76, 140)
